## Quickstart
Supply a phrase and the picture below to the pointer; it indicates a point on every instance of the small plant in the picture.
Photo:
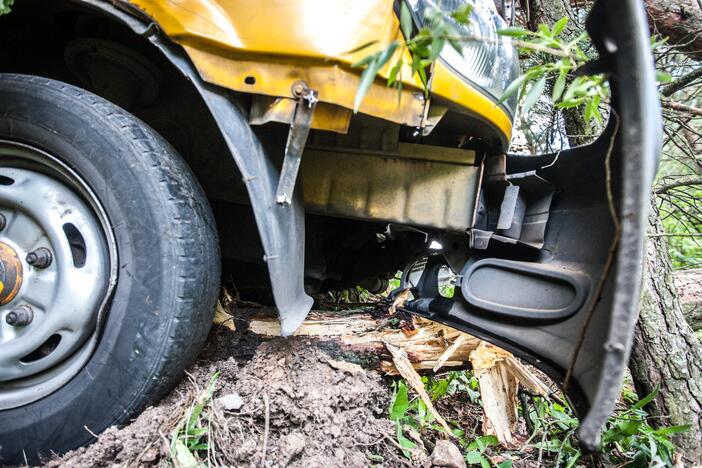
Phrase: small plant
(628, 437)
(191, 434)
(411, 416)
(475, 452)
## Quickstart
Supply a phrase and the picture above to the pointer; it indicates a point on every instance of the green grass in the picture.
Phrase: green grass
(190, 438)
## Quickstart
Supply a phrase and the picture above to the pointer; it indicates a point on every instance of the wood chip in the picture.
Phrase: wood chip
(449, 352)
(526, 378)
(399, 301)
(348, 367)
(222, 317)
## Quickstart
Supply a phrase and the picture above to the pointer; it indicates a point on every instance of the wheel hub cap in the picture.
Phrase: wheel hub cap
(57, 267)
(10, 274)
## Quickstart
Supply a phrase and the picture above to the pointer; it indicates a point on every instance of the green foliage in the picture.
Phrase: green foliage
(5, 6)
(555, 59)
(411, 414)
(628, 438)
(191, 434)
(424, 48)
(680, 214)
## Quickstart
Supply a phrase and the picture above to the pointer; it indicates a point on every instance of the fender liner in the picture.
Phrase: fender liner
(281, 227)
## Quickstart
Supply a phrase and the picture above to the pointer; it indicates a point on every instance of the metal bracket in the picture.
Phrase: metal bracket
(297, 137)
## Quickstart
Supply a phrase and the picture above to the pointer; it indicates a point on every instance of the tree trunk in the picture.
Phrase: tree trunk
(361, 338)
(680, 21)
(666, 352)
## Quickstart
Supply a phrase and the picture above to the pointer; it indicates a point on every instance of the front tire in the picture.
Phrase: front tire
(156, 221)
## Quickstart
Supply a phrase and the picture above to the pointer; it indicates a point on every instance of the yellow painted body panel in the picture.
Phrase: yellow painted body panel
(264, 46)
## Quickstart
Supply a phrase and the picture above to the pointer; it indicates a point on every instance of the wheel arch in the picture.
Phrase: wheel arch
(280, 228)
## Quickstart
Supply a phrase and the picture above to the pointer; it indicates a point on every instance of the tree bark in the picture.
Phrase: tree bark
(689, 286)
(680, 21)
(666, 352)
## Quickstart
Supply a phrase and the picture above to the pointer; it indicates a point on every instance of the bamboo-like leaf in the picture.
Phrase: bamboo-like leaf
(647, 399)
(673, 429)
(462, 13)
(405, 20)
(371, 71)
(513, 87)
(534, 94)
(559, 26)
(367, 78)
(437, 45)
(544, 30)
(392, 77)
(559, 86)
(514, 31)
(365, 60)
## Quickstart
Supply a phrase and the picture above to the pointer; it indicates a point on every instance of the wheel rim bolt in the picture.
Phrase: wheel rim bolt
(40, 258)
(3, 222)
(20, 316)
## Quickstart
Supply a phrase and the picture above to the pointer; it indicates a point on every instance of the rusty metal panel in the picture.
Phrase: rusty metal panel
(418, 185)
(329, 117)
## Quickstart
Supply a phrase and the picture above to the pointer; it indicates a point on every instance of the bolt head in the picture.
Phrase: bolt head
(11, 318)
(40, 258)
(20, 316)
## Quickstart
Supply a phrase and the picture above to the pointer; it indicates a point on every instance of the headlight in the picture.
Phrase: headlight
(490, 64)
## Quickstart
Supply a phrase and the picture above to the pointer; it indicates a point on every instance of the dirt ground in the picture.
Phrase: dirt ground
(300, 408)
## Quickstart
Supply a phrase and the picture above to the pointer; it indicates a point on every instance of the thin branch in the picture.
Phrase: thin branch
(665, 234)
(681, 82)
(678, 182)
(676, 106)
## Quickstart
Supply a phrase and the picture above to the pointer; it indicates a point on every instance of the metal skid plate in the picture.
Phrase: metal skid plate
(417, 185)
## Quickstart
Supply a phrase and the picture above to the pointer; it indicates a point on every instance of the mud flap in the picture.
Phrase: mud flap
(281, 226)
(569, 306)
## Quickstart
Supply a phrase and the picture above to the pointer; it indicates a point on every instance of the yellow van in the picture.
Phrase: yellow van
(145, 145)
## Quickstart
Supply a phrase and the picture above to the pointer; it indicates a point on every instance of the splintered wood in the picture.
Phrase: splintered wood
(499, 374)
(404, 367)
(360, 333)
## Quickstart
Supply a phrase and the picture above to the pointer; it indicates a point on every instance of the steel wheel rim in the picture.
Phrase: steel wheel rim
(47, 205)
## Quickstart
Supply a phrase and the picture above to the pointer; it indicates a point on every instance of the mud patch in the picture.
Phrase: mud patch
(297, 407)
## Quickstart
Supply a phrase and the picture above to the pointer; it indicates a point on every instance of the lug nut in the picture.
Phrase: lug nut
(40, 258)
(20, 316)
(3, 221)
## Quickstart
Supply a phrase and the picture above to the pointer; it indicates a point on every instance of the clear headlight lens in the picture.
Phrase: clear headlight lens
(492, 63)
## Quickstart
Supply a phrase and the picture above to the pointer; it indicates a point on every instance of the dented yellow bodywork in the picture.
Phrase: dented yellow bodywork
(262, 47)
